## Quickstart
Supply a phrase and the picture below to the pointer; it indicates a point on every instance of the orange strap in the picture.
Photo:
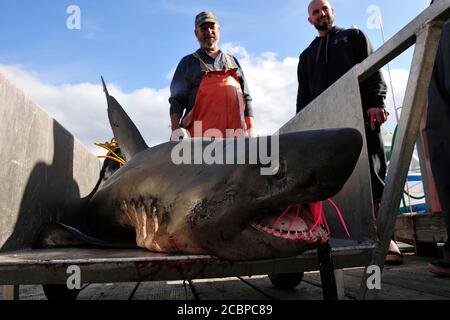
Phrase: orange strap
(219, 104)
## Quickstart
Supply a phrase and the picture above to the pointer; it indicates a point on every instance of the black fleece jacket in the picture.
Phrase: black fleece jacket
(329, 58)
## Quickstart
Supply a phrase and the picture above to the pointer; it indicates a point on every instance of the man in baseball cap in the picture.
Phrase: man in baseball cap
(198, 94)
(204, 17)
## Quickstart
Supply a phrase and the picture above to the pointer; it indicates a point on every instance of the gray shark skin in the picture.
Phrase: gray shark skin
(226, 210)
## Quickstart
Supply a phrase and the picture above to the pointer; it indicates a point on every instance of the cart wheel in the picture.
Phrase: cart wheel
(286, 281)
(59, 292)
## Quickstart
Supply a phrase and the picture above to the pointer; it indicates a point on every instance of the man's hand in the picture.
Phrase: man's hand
(377, 116)
(178, 133)
(175, 121)
(250, 127)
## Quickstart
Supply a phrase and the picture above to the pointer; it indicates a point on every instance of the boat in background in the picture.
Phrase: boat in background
(413, 199)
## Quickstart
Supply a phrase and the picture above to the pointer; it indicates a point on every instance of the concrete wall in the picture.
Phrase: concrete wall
(44, 171)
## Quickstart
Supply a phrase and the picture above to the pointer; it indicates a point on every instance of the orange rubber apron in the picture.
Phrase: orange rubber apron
(219, 105)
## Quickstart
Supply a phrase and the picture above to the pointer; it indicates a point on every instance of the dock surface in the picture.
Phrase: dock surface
(410, 281)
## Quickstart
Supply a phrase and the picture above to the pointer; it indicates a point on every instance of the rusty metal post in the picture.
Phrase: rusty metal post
(429, 186)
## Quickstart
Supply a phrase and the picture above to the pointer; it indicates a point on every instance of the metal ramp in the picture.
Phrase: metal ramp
(49, 266)
(369, 240)
(122, 265)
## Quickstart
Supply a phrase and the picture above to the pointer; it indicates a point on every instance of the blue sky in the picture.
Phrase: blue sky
(136, 43)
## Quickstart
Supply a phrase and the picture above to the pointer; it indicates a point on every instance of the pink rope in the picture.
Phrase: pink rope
(316, 209)
(318, 214)
(295, 218)
(340, 216)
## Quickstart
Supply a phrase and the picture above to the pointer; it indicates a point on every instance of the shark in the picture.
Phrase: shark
(227, 209)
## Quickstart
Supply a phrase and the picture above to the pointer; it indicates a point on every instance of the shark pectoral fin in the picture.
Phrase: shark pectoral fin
(57, 235)
(54, 235)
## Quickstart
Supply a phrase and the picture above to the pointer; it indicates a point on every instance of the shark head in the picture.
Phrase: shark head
(222, 197)
(236, 210)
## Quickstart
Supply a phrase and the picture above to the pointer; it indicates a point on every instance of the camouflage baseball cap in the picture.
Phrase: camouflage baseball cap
(204, 17)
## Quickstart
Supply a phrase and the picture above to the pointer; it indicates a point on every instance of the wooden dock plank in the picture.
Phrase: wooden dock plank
(421, 227)
(313, 279)
(226, 289)
(422, 282)
(410, 281)
(391, 290)
(31, 292)
(108, 291)
(352, 283)
(28, 292)
(414, 275)
(304, 291)
(163, 290)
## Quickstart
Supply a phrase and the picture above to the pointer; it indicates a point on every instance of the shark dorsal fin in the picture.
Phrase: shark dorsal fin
(127, 135)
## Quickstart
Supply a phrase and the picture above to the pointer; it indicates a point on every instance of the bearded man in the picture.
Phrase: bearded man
(209, 94)
(334, 52)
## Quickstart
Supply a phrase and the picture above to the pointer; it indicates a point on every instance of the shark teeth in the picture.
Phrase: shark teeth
(294, 235)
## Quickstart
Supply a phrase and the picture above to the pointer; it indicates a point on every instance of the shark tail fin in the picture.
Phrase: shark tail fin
(125, 131)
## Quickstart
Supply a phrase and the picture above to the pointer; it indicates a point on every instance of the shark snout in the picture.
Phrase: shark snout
(337, 156)
(318, 163)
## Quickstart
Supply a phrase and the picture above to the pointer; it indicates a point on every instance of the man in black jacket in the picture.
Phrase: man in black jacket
(329, 57)
(438, 137)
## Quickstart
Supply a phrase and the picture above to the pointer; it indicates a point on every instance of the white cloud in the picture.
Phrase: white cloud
(399, 82)
(81, 108)
(273, 85)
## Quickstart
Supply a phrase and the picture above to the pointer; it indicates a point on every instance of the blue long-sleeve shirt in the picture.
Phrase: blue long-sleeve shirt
(187, 78)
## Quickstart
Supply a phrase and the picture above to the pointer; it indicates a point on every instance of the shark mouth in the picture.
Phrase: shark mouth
(295, 223)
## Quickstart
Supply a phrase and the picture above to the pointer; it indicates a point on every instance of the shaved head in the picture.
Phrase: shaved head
(314, 3)
(321, 15)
